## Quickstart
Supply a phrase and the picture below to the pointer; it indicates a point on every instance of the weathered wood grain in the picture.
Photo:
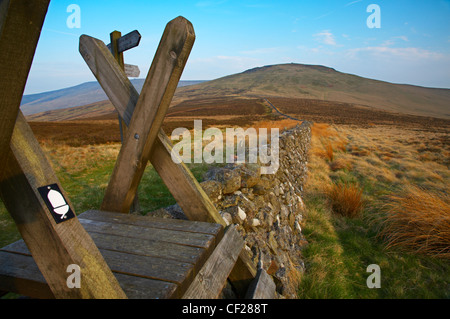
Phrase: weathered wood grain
(54, 246)
(20, 27)
(156, 222)
(20, 274)
(211, 279)
(118, 55)
(144, 288)
(148, 233)
(156, 95)
(168, 251)
(110, 76)
(262, 287)
(131, 246)
(136, 258)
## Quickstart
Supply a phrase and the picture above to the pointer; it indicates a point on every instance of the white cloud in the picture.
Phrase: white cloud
(325, 37)
(393, 41)
(398, 65)
(406, 53)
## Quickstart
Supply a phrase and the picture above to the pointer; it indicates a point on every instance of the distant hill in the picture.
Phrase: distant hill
(295, 81)
(80, 95)
(323, 83)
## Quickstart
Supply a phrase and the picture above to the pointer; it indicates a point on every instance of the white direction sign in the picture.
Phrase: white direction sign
(132, 71)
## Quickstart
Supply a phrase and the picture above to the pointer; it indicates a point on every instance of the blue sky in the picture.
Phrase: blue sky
(412, 45)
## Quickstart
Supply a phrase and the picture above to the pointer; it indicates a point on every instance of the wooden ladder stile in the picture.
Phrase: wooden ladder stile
(177, 177)
(118, 253)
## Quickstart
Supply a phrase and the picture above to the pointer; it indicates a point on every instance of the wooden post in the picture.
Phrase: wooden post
(177, 177)
(157, 93)
(211, 279)
(262, 287)
(118, 56)
(20, 27)
(54, 243)
(115, 36)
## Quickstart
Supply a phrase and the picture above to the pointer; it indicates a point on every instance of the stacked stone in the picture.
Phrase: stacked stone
(268, 209)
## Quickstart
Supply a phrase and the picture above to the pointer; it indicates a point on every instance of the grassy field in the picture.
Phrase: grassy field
(377, 193)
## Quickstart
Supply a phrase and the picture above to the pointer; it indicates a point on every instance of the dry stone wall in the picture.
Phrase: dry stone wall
(267, 209)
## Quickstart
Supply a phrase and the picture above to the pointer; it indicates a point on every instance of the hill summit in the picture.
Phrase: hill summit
(324, 83)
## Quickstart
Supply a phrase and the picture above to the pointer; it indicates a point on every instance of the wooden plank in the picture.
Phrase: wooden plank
(157, 92)
(157, 249)
(20, 27)
(211, 279)
(148, 233)
(128, 259)
(148, 267)
(263, 287)
(144, 288)
(20, 274)
(168, 251)
(54, 246)
(156, 222)
(111, 77)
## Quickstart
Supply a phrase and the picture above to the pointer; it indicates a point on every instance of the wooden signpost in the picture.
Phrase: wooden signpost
(126, 42)
(118, 45)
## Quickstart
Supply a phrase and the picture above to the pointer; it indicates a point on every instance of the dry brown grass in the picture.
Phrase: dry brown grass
(280, 124)
(340, 163)
(345, 199)
(418, 220)
(329, 152)
(322, 130)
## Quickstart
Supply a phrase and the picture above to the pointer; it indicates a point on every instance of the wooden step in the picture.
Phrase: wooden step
(152, 258)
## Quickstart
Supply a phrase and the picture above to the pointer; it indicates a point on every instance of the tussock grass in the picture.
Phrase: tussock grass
(323, 130)
(418, 220)
(339, 164)
(375, 165)
(329, 152)
(346, 199)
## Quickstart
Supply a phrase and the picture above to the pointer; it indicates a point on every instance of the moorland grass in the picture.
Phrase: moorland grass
(402, 228)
